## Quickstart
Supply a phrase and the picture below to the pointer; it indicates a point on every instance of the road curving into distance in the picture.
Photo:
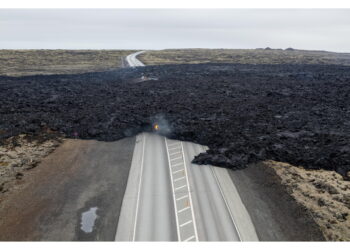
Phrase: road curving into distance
(168, 198)
(132, 60)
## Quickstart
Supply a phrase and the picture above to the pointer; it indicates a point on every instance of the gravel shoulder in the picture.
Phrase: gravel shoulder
(79, 176)
(275, 214)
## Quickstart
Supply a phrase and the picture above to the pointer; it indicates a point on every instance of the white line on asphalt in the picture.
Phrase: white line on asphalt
(186, 223)
(182, 210)
(228, 208)
(139, 190)
(189, 193)
(180, 187)
(178, 179)
(178, 171)
(172, 150)
(177, 158)
(177, 164)
(181, 198)
(190, 238)
(175, 153)
(174, 198)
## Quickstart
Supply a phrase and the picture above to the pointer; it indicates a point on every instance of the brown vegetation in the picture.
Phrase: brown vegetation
(325, 194)
(21, 153)
(47, 62)
(244, 56)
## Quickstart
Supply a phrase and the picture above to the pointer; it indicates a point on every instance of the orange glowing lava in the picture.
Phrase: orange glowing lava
(156, 126)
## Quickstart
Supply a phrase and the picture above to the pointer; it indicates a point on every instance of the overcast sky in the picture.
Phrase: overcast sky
(174, 28)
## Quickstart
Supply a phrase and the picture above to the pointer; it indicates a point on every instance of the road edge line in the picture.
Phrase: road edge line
(251, 235)
(126, 219)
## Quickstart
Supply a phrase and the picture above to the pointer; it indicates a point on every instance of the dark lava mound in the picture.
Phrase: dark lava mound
(292, 113)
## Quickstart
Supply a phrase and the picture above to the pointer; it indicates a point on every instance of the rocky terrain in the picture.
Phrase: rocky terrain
(21, 153)
(324, 193)
(297, 114)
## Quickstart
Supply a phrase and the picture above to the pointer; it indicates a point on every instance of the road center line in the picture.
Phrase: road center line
(181, 198)
(181, 178)
(174, 198)
(179, 192)
(177, 158)
(180, 187)
(177, 164)
(189, 193)
(175, 153)
(182, 210)
(190, 238)
(186, 223)
(177, 171)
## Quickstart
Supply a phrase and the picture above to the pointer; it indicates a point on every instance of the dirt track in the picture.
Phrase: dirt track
(245, 113)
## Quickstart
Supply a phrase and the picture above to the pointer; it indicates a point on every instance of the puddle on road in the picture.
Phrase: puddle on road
(88, 219)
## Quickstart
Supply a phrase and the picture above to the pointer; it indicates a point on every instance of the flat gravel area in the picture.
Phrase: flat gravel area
(74, 194)
(245, 113)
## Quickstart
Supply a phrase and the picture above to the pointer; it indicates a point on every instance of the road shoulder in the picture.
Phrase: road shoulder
(77, 176)
(274, 213)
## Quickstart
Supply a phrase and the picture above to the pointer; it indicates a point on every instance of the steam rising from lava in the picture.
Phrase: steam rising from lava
(160, 124)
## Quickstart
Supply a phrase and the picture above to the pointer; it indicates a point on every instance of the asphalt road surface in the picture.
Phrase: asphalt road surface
(133, 61)
(169, 199)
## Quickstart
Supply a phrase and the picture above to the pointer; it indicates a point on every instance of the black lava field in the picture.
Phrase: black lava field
(298, 114)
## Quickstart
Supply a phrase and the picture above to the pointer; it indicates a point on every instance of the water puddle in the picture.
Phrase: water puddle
(88, 219)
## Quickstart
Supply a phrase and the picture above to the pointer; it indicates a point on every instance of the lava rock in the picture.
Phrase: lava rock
(297, 114)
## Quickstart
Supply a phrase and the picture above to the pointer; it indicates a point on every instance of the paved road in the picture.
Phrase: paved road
(169, 199)
(133, 61)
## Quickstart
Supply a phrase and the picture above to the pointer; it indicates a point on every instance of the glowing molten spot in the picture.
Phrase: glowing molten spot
(156, 126)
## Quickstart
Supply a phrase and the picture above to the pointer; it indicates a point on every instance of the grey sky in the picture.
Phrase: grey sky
(174, 28)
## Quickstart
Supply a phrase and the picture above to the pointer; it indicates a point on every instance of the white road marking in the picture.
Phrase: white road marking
(181, 178)
(172, 184)
(177, 158)
(181, 198)
(221, 196)
(177, 164)
(189, 217)
(178, 171)
(186, 223)
(190, 238)
(189, 193)
(180, 187)
(139, 190)
(175, 153)
(228, 208)
(182, 210)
